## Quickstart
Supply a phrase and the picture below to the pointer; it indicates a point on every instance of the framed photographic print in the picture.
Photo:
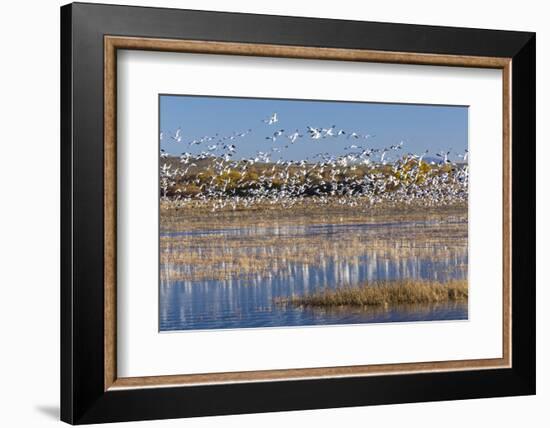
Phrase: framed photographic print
(265, 213)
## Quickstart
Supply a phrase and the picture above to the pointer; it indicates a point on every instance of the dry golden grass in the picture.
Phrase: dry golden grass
(273, 239)
(219, 256)
(200, 216)
(384, 294)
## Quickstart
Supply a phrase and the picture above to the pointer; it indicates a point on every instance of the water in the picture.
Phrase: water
(302, 259)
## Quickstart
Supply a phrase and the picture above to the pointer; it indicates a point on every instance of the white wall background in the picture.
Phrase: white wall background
(29, 214)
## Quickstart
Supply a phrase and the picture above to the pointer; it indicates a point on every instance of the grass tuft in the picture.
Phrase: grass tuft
(383, 293)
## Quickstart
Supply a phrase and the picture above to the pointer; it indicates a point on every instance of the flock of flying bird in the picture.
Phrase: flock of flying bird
(359, 176)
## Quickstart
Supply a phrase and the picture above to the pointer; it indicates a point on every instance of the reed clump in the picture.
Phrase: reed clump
(385, 293)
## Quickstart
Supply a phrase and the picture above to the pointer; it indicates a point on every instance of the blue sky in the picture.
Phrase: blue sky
(421, 127)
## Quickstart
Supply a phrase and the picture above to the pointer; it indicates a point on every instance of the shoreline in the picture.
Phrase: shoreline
(193, 217)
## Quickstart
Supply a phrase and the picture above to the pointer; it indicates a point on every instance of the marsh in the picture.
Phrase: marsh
(232, 269)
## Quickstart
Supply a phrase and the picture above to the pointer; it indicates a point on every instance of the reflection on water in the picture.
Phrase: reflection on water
(228, 278)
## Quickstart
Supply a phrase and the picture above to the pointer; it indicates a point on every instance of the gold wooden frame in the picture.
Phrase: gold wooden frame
(113, 43)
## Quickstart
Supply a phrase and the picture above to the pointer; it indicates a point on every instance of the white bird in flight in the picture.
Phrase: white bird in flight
(294, 136)
(314, 133)
(275, 135)
(444, 155)
(329, 132)
(177, 136)
(271, 120)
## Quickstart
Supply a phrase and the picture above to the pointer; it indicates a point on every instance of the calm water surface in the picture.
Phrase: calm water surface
(248, 301)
